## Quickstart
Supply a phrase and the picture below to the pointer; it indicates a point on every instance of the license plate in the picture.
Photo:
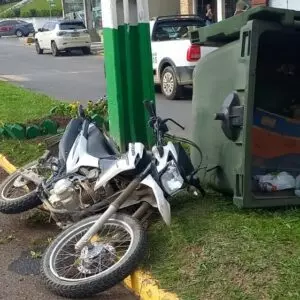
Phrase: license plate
(75, 34)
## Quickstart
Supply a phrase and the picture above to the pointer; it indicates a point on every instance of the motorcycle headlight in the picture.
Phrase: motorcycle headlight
(171, 179)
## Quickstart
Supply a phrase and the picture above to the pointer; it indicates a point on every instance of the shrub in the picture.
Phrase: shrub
(33, 12)
(8, 14)
(57, 12)
(17, 12)
(25, 14)
(44, 13)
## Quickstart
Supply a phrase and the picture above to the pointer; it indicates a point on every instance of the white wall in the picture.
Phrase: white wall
(164, 7)
(287, 4)
(37, 22)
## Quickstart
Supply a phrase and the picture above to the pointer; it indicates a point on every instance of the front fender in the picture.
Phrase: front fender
(162, 203)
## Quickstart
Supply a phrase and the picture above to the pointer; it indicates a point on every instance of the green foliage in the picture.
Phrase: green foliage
(17, 12)
(70, 110)
(33, 12)
(214, 250)
(42, 8)
(8, 14)
(25, 14)
(20, 105)
(35, 8)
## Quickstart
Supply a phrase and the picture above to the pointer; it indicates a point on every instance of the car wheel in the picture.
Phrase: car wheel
(38, 48)
(19, 33)
(169, 84)
(86, 50)
(54, 49)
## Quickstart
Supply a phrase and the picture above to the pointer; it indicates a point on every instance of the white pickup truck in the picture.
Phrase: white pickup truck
(174, 57)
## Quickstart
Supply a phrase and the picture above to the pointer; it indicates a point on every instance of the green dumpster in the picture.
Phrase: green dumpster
(246, 107)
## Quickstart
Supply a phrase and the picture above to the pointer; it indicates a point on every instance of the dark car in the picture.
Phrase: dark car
(15, 27)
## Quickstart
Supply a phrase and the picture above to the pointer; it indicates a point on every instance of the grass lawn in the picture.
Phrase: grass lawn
(213, 250)
(20, 105)
(4, 7)
(40, 5)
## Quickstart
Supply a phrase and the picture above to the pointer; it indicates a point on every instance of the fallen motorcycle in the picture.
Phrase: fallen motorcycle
(65, 183)
(100, 251)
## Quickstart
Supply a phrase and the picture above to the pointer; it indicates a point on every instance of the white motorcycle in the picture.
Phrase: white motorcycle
(65, 183)
(98, 252)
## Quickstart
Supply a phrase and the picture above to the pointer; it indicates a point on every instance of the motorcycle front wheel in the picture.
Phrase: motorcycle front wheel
(18, 195)
(111, 255)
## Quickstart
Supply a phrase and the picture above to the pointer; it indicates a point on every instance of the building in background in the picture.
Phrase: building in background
(76, 9)
(221, 8)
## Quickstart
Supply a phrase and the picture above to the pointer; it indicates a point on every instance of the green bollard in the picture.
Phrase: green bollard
(33, 131)
(50, 126)
(128, 64)
(15, 131)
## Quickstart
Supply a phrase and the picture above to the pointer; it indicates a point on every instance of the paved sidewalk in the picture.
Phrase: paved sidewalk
(19, 235)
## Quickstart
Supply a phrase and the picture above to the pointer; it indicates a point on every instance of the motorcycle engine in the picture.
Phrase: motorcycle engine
(64, 196)
(75, 195)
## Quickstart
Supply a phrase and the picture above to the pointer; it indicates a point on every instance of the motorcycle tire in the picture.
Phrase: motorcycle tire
(89, 286)
(18, 204)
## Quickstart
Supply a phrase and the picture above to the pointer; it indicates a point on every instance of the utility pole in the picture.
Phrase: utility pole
(51, 4)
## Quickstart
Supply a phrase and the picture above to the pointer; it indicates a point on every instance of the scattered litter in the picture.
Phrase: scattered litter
(277, 182)
(297, 190)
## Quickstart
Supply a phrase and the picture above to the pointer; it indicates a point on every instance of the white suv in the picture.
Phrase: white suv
(58, 36)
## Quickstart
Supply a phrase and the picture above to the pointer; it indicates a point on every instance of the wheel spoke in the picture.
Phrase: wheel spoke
(113, 243)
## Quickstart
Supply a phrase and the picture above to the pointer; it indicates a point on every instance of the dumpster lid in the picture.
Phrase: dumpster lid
(229, 30)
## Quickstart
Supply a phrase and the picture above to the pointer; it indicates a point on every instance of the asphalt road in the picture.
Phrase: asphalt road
(74, 77)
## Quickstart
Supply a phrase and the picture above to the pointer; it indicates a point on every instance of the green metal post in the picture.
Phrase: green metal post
(128, 63)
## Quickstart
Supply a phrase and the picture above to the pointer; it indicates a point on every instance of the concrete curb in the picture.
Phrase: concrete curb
(96, 48)
(6, 165)
(147, 288)
(141, 283)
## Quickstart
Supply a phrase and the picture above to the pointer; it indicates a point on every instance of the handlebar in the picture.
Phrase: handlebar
(159, 125)
(173, 121)
(150, 108)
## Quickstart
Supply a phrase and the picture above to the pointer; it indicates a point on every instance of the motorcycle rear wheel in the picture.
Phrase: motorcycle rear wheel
(14, 200)
(66, 273)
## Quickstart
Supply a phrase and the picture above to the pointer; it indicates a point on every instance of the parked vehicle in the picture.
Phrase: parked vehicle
(66, 35)
(15, 27)
(174, 58)
(100, 251)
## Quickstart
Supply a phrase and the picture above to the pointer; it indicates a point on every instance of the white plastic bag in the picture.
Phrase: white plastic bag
(279, 182)
(297, 191)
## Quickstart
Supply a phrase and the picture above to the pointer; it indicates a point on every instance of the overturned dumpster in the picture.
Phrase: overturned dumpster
(246, 107)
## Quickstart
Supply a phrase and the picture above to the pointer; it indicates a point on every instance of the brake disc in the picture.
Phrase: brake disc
(96, 258)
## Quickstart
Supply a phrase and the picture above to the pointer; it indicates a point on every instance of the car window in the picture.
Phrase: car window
(175, 30)
(3, 23)
(46, 27)
(71, 25)
(12, 22)
(52, 26)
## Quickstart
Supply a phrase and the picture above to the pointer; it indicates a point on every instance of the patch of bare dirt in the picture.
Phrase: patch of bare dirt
(3, 175)
(22, 240)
